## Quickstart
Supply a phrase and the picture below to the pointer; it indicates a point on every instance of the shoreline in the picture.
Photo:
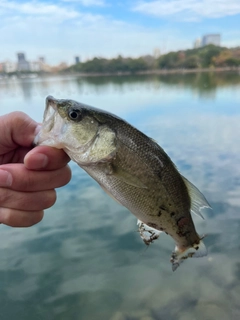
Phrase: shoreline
(154, 72)
(107, 74)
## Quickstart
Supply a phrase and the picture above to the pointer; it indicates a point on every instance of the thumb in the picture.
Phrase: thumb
(17, 129)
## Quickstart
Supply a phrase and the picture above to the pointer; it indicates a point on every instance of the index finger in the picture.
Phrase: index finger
(45, 158)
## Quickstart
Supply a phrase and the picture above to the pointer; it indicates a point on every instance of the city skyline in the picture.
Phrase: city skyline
(63, 29)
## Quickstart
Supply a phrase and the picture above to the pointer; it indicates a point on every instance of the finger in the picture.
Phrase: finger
(19, 218)
(22, 179)
(27, 201)
(17, 129)
(47, 158)
(14, 156)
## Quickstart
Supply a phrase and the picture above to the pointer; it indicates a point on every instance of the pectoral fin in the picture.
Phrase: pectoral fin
(127, 177)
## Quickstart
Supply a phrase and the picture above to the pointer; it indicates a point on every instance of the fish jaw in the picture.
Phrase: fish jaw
(52, 128)
(196, 251)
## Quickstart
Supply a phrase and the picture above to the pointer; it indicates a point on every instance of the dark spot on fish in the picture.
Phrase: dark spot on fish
(197, 247)
(180, 234)
(182, 221)
(179, 220)
(159, 213)
(152, 225)
(183, 233)
(159, 175)
(162, 208)
(172, 214)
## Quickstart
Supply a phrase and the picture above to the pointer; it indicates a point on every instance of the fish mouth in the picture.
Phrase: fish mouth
(50, 117)
(50, 109)
(52, 127)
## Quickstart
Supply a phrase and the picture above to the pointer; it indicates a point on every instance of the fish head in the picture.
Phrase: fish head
(75, 128)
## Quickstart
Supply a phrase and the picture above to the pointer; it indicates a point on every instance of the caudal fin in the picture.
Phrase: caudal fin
(196, 251)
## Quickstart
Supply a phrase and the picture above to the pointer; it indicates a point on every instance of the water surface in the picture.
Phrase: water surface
(85, 260)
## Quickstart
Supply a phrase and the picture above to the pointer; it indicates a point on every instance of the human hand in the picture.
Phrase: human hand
(28, 176)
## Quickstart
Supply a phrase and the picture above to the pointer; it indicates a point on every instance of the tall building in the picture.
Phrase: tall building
(77, 60)
(22, 64)
(211, 39)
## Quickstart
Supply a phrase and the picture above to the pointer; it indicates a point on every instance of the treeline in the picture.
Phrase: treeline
(119, 64)
(206, 57)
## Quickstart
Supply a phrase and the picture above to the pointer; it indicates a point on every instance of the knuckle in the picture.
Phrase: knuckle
(5, 196)
(26, 183)
(30, 201)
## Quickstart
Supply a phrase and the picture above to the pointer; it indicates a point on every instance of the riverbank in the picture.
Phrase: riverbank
(22, 75)
(154, 71)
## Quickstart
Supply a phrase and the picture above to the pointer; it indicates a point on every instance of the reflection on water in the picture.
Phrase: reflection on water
(85, 260)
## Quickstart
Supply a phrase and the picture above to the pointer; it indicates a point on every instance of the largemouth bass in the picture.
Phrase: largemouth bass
(130, 167)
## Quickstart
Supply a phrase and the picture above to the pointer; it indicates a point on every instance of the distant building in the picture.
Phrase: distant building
(42, 59)
(35, 66)
(9, 66)
(42, 65)
(197, 43)
(211, 39)
(77, 60)
(22, 64)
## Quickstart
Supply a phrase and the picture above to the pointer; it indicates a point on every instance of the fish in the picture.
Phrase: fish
(130, 167)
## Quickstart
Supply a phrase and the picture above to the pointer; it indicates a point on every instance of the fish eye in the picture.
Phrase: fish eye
(75, 115)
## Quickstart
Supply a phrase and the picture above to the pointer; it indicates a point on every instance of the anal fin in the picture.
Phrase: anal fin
(147, 233)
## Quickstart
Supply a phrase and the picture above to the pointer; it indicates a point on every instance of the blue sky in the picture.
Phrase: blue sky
(62, 29)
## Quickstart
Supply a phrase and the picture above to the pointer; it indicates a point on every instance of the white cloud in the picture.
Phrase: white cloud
(35, 8)
(88, 3)
(59, 32)
(189, 9)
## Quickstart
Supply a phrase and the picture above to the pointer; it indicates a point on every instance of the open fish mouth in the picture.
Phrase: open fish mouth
(50, 109)
(53, 126)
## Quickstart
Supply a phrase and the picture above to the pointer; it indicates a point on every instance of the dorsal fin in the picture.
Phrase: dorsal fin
(198, 201)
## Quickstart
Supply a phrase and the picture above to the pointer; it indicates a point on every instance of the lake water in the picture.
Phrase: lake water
(85, 260)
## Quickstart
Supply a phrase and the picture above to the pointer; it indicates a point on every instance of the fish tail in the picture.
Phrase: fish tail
(196, 251)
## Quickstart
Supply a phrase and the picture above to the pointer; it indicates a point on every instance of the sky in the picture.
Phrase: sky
(62, 29)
